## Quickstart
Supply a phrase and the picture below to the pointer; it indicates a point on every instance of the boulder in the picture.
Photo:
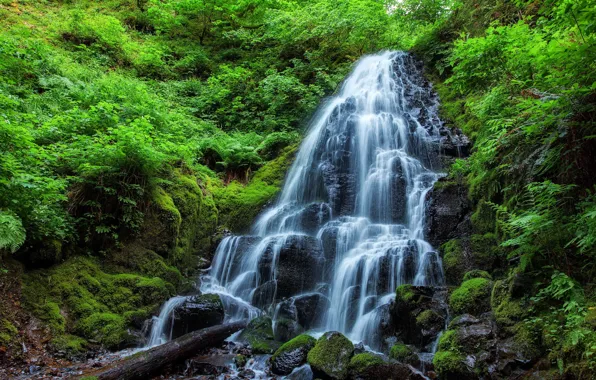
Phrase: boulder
(404, 354)
(197, 312)
(291, 354)
(473, 296)
(330, 358)
(373, 366)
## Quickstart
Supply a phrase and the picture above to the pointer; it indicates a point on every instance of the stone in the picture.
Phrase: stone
(291, 354)
(330, 358)
(197, 312)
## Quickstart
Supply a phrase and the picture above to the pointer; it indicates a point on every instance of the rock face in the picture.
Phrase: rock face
(292, 354)
(299, 313)
(299, 268)
(330, 358)
(197, 312)
(418, 314)
(447, 214)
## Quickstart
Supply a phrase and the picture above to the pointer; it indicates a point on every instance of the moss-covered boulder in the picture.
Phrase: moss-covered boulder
(367, 365)
(292, 354)
(450, 365)
(418, 314)
(404, 354)
(330, 358)
(473, 297)
(259, 335)
(198, 312)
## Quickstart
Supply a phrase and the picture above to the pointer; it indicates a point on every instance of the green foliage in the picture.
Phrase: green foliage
(12, 233)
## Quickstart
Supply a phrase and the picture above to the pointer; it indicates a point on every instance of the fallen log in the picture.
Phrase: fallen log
(145, 364)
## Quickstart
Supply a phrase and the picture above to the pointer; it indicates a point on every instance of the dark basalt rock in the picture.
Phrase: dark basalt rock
(447, 214)
(301, 373)
(454, 143)
(310, 218)
(310, 308)
(291, 355)
(418, 314)
(197, 312)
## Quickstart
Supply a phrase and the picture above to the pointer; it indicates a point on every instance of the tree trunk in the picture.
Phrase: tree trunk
(145, 364)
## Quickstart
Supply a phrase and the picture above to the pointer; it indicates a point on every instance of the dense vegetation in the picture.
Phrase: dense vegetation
(173, 120)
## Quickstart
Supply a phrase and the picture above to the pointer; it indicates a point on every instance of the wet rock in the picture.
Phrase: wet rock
(197, 312)
(454, 143)
(447, 214)
(259, 335)
(310, 218)
(418, 314)
(301, 373)
(285, 329)
(404, 354)
(247, 374)
(292, 354)
(299, 266)
(330, 358)
(310, 309)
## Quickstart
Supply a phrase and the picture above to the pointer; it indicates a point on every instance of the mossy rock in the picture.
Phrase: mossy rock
(477, 273)
(484, 218)
(330, 358)
(360, 363)
(472, 297)
(404, 354)
(409, 295)
(508, 311)
(292, 354)
(259, 335)
(430, 319)
(450, 365)
(454, 260)
(106, 328)
(71, 345)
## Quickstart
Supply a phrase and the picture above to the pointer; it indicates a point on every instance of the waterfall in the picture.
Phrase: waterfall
(348, 227)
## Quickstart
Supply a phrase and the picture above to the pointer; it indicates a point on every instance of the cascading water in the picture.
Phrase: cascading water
(348, 226)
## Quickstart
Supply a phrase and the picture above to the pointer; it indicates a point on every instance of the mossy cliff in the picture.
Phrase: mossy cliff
(88, 302)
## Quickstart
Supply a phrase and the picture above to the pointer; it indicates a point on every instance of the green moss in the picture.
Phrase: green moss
(240, 361)
(484, 218)
(404, 354)
(477, 273)
(361, 362)
(449, 364)
(106, 328)
(471, 297)
(301, 341)
(259, 335)
(486, 249)
(405, 293)
(72, 345)
(331, 355)
(453, 260)
(507, 311)
(8, 332)
(448, 341)
(78, 297)
(428, 319)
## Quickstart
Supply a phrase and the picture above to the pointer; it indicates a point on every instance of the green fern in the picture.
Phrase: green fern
(12, 233)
